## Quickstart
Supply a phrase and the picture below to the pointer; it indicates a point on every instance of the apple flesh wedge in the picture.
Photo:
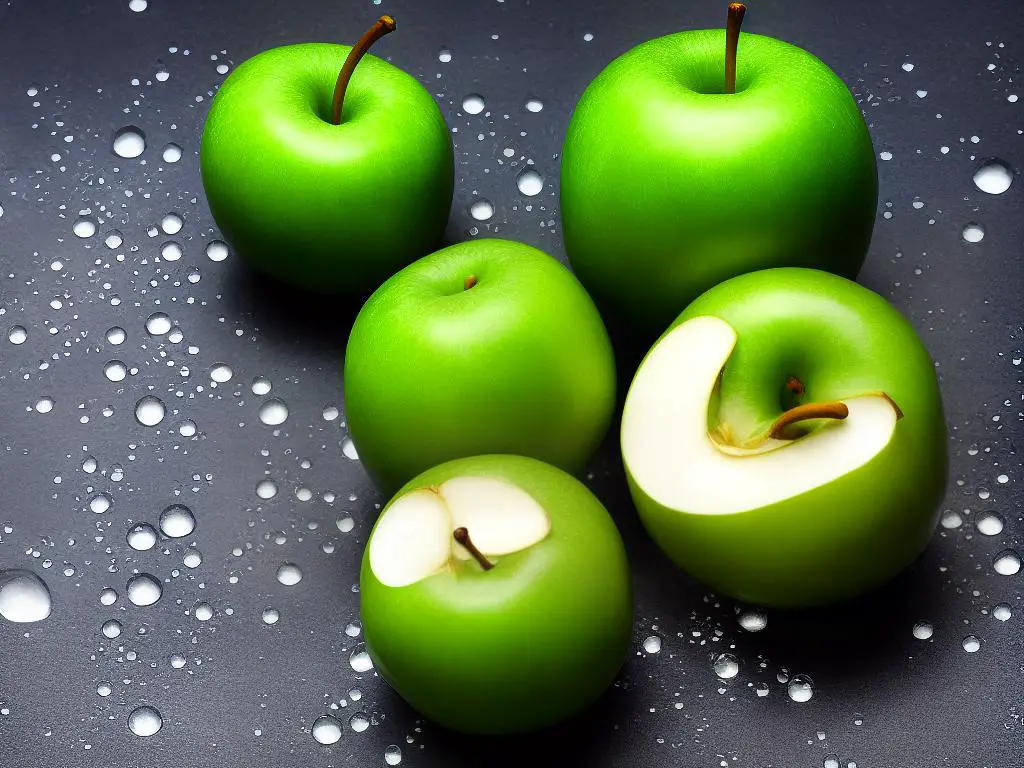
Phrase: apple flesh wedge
(777, 505)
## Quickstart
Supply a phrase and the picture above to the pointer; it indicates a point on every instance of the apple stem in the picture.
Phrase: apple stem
(794, 385)
(830, 410)
(462, 536)
(381, 27)
(732, 39)
(469, 282)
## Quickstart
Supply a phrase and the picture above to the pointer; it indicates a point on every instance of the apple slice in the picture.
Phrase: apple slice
(424, 530)
(674, 458)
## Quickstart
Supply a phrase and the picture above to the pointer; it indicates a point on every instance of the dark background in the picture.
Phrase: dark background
(249, 692)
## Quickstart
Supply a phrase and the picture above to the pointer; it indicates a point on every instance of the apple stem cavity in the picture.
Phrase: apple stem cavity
(732, 38)
(469, 282)
(381, 27)
(829, 410)
(794, 385)
(462, 536)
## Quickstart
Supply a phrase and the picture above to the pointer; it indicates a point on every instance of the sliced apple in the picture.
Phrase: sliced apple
(673, 458)
(414, 538)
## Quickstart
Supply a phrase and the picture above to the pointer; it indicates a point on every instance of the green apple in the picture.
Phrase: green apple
(670, 185)
(324, 206)
(488, 346)
(495, 595)
(784, 440)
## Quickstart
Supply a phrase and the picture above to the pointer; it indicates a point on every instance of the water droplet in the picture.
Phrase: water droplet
(1002, 612)
(951, 519)
(104, 689)
(271, 615)
(170, 251)
(193, 558)
(530, 182)
(726, 666)
(360, 660)
(172, 153)
(149, 411)
(473, 104)
(1007, 563)
(144, 589)
(266, 489)
(885, 155)
(158, 324)
(393, 754)
(444, 55)
(652, 644)
(972, 644)
(273, 412)
(352, 629)
(289, 574)
(203, 611)
(800, 688)
(138, 5)
(973, 232)
(534, 105)
(187, 428)
(330, 413)
(923, 630)
(116, 336)
(100, 503)
(260, 385)
(358, 722)
(108, 596)
(831, 762)
(221, 373)
(753, 620)
(84, 227)
(993, 177)
(588, 37)
(349, 449)
(177, 521)
(129, 142)
(24, 597)
(17, 335)
(111, 629)
(142, 537)
(326, 730)
(115, 370)
(345, 524)
(144, 721)
(113, 240)
(908, 67)
(44, 405)
(989, 524)
(481, 209)
(177, 661)
(217, 250)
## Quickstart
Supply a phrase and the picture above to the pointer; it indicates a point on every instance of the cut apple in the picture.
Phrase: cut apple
(673, 458)
(415, 536)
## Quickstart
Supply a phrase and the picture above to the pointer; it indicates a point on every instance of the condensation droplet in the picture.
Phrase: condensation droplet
(360, 660)
(752, 620)
(273, 412)
(111, 629)
(652, 644)
(84, 227)
(17, 335)
(143, 589)
(481, 209)
(393, 754)
(203, 611)
(221, 373)
(349, 449)
(530, 182)
(100, 503)
(1007, 563)
(266, 489)
(115, 370)
(170, 251)
(359, 722)
(177, 521)
(116, 336)
(326, 730)
(444, 55)
(260, 385)
(989, 524)
(473, 104)
(973, 232)
(534, 105)
(24, 597)
(158, 324)
(289, 574)
(193, 558)
(1002, 612)
(800, 688)
(149, 411)
(726, 666)
(142, 537)
(972, 644)
(923, 630)
(171, 224)
(217, 250)
(993, 177)
(44, 405)
(129, 142)
(145, 721)
(271, 615)
(171, 153)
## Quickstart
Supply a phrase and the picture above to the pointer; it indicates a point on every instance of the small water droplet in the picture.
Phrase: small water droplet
(145, 721)
(221, 373)
(753, 620)
(84, 227)
(473, 104)
(352, 629)
(17, 335)
(973, 232)
(923, 630)
(266, 489)
(993, 177)
(193, 558)
(24, 597)
(187, 428)
(143, 589)
(726, 666)
(104, 689)
(831, 762)
(534, 105)
(115, 370)
(177, 661)
(113, 240)
(260, 385)
(111, 629)
(271, 615)
(652, 644)
(116, 336)
(217, 250)
(289, 574)
(444, 55)
(358, 722)
(761, 689)
(349, 449)
(44, 405)
(1006, 563)
(142, 537)
(330, 413)
(273, 412)
(129, 142)
(326, 730)
(203, 611)
(530, 182)
(989, 524)
(800, 688)
(177, 521)
(100, 503)
(170, 251)
(360, 660)
(1002, 612)
(908, 67)
(345, 524)
(158, 324)
(972, 644)
(393, 754)
(951, 519)
(171, 224)
(138, 5)
(885, 155)
(108, 596)
(171, 153)
(481, 209)
(149, 411)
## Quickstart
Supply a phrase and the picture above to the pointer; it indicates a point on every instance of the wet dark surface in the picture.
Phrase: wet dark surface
(249, 692)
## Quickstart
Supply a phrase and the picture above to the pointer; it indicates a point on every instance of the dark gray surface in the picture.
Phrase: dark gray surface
(249, 692)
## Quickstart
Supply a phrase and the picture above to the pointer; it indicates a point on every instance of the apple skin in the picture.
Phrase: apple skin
(524, 645)
(853, 534)
(327, 208)
(520, 363)
(669, 186)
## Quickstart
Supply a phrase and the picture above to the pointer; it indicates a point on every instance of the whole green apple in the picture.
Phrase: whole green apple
(495, 595)
(488, 346)
(671, 185)
(326, 207)
(784, 440)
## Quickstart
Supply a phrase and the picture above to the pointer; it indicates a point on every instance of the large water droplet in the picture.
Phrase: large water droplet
(652, 644)
(100, 503)
(104, 688)
(271, 615)
(530, 182)
(752, 620)
(149, 411)
(266, 489)
(360, 660)
(177, 521)
(289, 574)
(144, 589)
(534, 105)
(158, 324)
(273, 412)
(17, 335)
(1002, 612)
(444, 55)
(171, 224)
(84, 227)
(145, 721)
(326, 730)
(171, 153)
(800, 688)
(972, 644)
(111, 629)
(349, 449)
(923, 630)
(359, 722)
(203, 611)
(108, 596)
(481, 209)
(217, 250)
(726, 666)
(129, 142)
(473, 104)
(116, 336)
(973, 232)
(989, 524)
(142, 537)
(44, 405)
(261, 385)
(193, 558)
(24, 597)
(170, 251)
(993, 177)
(115, 370)
(393, 754)
(1006, 563)
(221, 373)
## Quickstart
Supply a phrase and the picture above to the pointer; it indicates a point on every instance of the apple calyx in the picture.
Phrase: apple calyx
(734, 20)
(461, 535)
(469, 282)
(381, 27)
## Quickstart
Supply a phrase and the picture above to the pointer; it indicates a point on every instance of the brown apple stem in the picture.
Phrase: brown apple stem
(794, 385)
(829, 410)
(462, 536)
(732, 38)
(381, 27)
(469, 282)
